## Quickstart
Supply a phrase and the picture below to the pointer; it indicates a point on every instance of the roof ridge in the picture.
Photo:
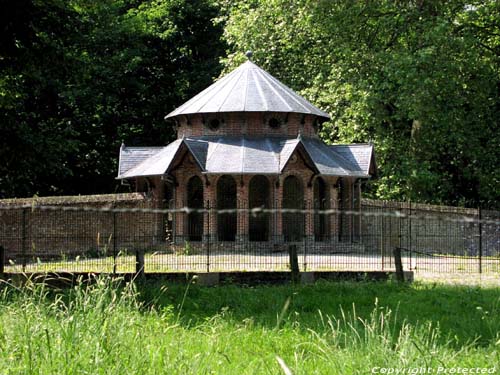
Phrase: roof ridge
(351, 144)
(291, 94)
(325, 155)
(186, 142)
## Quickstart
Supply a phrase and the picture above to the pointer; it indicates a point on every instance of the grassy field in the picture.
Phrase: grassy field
(326, 328)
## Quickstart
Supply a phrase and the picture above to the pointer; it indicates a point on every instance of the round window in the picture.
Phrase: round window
(274, 123)
(214, 124)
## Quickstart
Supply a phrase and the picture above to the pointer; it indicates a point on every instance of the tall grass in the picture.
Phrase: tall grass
(113, 327)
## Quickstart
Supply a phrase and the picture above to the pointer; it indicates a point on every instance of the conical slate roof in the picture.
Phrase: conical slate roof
(247, 89)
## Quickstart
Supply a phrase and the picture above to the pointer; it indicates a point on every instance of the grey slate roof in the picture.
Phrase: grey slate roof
(132, 156)
(360, 155)
(247, 89)
(247, 155)
(155, 165)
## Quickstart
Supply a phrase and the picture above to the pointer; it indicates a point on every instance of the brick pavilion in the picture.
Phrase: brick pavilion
(249, 141)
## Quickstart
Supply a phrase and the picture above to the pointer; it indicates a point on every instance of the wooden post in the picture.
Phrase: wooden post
(399, 265)
(139, 263)
(207, 238)
(294, 264)
(114, 242)
(2, 260)
(480, 241)
(24, 239)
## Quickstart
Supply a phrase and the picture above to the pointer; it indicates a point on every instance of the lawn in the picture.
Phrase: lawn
(325, 328)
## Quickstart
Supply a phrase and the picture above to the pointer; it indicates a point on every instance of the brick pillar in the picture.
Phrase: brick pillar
(158, 196)
(334, 223)
(357, 208)
(180, 218)
(309, 216)
(242, 204)
(210, 197)
(278, 205)
(348, 206)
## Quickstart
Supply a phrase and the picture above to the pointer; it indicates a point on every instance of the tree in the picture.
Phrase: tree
(419, 79)
(80, 77)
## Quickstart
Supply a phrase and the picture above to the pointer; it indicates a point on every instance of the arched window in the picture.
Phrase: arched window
(321, 202)
(258, 196)
(293, 198)
(195, 200)
(226, 199)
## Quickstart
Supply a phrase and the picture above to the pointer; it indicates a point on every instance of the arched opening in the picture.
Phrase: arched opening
(321, 202)
(258, 196)
(195, 200)
(226, 199)
(293, 198)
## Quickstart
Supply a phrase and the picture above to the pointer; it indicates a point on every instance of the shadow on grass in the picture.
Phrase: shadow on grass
(463, 314)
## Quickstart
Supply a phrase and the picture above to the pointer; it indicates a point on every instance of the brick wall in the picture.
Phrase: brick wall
(50, 234)
(432, 229)
(247, 123)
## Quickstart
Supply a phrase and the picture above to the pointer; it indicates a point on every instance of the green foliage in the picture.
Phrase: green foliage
(81, 76)
(419, 79)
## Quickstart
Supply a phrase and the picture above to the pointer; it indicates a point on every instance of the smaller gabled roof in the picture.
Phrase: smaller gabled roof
(155, 165)
(132, 156)
(360, 155)
(248, 88)
(252, 155)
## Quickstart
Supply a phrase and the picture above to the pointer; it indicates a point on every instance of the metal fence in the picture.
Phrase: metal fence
(76, 239)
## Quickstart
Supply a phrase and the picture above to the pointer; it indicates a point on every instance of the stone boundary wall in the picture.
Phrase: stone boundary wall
(429, 229)
(28, 234)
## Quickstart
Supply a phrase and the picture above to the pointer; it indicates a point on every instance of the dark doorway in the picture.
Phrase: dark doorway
(258, 196)
(321, 203)
(195, 200)
(293, 198)
(226, 200)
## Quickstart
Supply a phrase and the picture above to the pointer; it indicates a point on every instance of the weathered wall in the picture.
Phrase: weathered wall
(432, 229)
(52, 234)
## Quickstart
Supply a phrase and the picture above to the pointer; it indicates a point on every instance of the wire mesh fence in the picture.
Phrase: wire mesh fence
(211, 239)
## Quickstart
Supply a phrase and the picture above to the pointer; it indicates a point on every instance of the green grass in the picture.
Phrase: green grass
(326, 328)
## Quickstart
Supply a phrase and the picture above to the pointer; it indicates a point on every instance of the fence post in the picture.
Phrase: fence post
(382, 235)
(294, 264)
(480, 225)
(23, 240)
(114, 242)
(399, 264)
(409, 230)
(139, 263)
(209, 234)
(2, 260)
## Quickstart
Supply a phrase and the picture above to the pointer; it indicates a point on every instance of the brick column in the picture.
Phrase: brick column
(334, 223)
(157, 203)
(210, 220)
(278, 205)
(242, 204)
(180, 218)
(309, 216)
